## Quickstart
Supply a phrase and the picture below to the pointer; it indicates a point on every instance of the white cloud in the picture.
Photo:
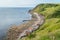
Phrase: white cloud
(24, 3)
(20, 3)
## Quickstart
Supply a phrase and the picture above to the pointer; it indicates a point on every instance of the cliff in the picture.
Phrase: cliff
(50, 30)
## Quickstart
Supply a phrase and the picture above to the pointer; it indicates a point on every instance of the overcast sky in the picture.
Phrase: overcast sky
(24, 3)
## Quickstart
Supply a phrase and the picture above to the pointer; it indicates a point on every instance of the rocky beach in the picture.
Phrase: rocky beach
(17, 32)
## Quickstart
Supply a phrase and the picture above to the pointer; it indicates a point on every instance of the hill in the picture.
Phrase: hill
(50, 30)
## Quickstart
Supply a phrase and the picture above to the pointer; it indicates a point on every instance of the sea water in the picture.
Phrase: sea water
(12, 16)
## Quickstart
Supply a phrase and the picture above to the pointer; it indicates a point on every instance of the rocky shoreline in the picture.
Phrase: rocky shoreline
(17, 32)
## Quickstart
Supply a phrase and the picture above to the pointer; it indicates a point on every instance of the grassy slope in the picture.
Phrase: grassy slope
(50, 30)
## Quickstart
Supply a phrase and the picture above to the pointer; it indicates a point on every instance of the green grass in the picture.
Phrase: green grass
(50, 30)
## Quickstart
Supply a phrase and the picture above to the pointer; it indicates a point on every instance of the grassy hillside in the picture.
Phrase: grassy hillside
(50, 30)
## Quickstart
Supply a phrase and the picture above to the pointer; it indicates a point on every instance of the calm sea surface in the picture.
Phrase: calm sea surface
(12, 16)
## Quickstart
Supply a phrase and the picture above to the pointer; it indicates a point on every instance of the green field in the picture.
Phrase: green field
(50, 30)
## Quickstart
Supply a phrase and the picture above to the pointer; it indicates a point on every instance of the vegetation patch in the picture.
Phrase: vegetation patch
(50, 30)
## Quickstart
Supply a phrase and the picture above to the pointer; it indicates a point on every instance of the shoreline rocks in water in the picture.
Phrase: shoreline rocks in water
(17, 32)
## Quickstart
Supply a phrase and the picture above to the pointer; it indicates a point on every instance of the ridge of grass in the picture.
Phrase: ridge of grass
(50, 30)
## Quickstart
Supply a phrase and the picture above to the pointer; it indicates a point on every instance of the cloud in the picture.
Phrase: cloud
(19, 3)
(24, 3)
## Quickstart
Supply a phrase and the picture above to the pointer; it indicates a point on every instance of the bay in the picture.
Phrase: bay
(12, 16)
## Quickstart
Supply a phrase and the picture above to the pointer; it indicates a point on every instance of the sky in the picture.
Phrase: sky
(24, 3)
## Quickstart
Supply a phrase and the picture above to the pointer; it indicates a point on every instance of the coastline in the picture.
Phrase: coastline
(17, 32)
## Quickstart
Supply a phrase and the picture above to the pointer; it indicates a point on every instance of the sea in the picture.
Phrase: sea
(12, 16)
